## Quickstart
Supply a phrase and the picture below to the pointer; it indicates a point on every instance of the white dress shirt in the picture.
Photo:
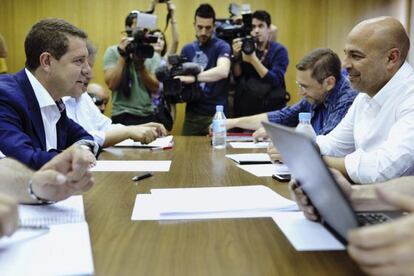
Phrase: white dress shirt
(376, 136)
(49, 110)
(84, 112)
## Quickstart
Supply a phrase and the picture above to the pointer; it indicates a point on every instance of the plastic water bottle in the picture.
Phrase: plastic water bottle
(305, 126)
(219, 128)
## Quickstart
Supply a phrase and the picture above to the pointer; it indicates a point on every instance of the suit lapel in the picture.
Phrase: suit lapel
(33, 106)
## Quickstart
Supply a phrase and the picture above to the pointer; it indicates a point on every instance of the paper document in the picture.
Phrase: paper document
(305, 235)
(249, 145)
(210, 202)
(161, 142)
(132, 166)
(66, 211)
(250, 158)
(264, 170)
(63, 250)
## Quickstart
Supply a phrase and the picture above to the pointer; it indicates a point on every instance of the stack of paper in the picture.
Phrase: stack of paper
(61, 248)
(250, 158)
(306, 235)
(208, 203)
(162, 142)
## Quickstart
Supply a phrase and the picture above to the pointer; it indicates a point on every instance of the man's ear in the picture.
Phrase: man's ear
(45, 60)
(330, 83)
(393, 58)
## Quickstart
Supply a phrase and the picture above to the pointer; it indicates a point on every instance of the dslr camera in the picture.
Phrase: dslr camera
(140, 40)
(229, 29)
(174, 90)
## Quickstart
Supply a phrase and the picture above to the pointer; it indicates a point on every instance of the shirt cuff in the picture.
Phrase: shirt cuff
(357, 160)
(98, 136)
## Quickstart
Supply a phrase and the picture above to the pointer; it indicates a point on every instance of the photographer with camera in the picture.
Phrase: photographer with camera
(213, 56)
(259, 67)
(129, 72)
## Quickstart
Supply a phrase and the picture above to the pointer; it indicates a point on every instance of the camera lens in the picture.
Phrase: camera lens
(248, 45)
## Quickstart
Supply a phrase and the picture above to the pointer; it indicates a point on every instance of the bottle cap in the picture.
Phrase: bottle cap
(304, 116)
(219, 108)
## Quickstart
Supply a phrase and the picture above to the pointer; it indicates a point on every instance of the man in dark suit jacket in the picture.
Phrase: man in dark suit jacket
(33, 123)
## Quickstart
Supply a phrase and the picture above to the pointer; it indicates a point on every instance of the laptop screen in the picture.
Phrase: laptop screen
(307, 166)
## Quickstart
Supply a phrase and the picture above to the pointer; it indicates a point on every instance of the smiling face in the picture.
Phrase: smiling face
(69, 74)
(366, 61)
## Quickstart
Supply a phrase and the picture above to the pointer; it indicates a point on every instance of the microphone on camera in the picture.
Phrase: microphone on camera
(162, 73)
(191, 68)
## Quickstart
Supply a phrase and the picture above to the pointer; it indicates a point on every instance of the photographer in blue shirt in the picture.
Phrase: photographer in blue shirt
(213, 56)
(259, 67)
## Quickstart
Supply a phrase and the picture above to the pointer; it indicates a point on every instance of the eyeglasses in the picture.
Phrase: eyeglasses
(305, 87)
(301, 86)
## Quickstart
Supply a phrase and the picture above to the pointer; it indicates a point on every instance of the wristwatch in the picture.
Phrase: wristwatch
(90, 145)
(36, 197)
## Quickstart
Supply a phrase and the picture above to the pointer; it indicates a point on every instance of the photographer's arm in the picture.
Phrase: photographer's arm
(256, 63)
(221, 71)
(236, 45)
(149, 80)
(172, 49)
(113, 75)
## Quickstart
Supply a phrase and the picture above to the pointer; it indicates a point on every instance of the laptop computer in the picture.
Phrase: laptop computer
(302, 157)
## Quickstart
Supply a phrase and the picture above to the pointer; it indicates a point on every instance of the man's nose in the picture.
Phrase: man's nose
(87, 70)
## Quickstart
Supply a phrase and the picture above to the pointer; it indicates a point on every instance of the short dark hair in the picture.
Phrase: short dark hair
(205, 11)
(323, 62)
(49, 35)
(263, 16)
(130, 19)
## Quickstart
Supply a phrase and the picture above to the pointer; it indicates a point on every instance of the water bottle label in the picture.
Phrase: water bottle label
(219, 125)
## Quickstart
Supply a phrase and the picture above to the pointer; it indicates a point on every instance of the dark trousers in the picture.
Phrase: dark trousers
(130, 119)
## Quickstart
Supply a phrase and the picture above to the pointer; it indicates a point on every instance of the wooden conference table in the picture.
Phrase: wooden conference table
(253, 246)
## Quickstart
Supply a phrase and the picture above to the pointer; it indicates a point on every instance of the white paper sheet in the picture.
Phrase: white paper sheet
(305, 235)
(132, 166)
(157, 143)
(66, 211)
(241, 138)
(211, 202)
(63, 250)
(252, 158)
(265, 170)
(249, 145)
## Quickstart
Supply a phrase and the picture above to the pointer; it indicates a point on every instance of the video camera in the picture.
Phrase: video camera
(174, 90)
(229, 29)
(140, 40)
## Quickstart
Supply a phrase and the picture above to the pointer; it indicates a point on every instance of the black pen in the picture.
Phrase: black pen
(142, 176)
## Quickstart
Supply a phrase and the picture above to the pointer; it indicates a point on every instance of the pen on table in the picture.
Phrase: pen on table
(142, 176)
(161, 148)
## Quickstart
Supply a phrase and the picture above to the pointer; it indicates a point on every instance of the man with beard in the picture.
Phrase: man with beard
(213, 55)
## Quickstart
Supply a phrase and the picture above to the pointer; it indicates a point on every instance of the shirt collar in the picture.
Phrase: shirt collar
(43, 97)
(399, 78)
